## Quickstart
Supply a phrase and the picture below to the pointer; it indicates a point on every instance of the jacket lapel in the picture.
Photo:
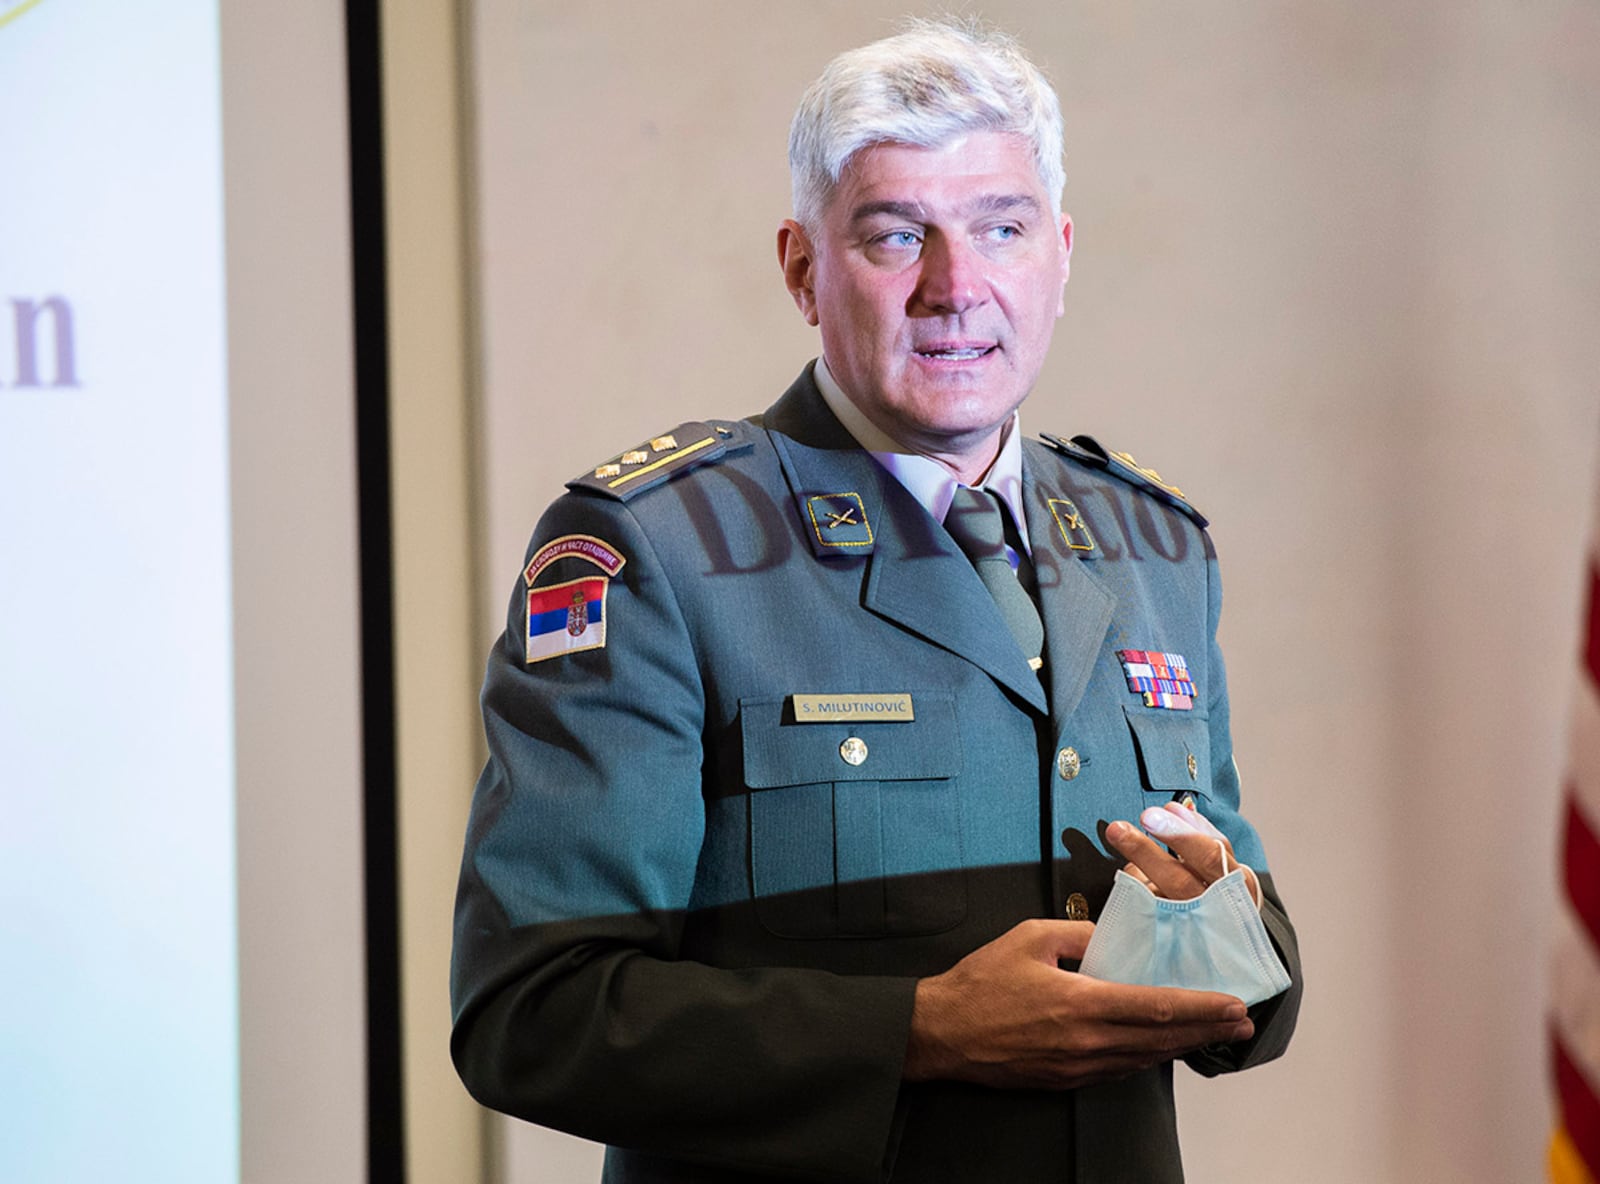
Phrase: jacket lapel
(1076, 607)
(915, 574)
(935, 593)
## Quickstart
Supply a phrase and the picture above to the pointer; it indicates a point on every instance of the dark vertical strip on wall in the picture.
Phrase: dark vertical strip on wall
(385, 1113)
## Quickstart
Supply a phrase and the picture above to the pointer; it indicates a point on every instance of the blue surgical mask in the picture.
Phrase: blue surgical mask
(1214, 942)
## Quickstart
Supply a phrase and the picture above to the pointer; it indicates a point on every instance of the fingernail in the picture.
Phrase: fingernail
(1244, 1031)
(1116, 830)
(1160, 822)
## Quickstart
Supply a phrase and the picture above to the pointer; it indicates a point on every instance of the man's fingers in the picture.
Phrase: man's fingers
(1200, 847)
(1148, 1024)
(1164, 1006)
(1051, 941)
(1194, 855)
(1167, 825)
(1170, 878)
(1195, 819)
(1132, 869)
(1006, 1014)
(1201, 854)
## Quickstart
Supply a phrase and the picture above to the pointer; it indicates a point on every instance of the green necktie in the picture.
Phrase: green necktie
(977, 523)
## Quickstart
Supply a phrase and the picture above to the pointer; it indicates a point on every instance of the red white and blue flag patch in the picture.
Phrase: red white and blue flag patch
(566, 618)
(1161, 678)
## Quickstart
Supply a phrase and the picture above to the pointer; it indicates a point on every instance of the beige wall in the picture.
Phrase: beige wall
(297, 666)
(1335, 276)
(427, 178)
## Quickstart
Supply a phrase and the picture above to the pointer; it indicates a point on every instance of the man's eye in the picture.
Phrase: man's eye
(900, 238)
(1005, 233)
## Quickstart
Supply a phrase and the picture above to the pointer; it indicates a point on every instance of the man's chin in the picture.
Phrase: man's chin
(948, 438)
(959, 412)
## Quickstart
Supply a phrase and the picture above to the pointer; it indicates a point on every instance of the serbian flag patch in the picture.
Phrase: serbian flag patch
(565, 618)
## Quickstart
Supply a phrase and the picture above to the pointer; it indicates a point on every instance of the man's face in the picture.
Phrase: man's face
(936, 278)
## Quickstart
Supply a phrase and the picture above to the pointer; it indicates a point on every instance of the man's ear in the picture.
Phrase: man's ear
(1066, 261)
(798, 261)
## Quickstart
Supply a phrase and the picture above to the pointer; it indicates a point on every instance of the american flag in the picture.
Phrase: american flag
(1575, 998)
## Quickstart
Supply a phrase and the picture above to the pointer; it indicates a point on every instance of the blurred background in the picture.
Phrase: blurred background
(1336, 274)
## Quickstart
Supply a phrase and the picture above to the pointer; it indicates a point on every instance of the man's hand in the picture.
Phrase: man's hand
(1195, 861)
(1008, 1015)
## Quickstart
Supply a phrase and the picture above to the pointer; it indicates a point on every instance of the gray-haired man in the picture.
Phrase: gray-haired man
(796, 813)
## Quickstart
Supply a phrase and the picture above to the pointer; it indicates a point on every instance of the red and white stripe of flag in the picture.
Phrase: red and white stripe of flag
(1575, 1005)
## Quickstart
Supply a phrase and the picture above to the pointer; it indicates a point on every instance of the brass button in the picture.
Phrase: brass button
(1194, 767)
(1077, 907)
(1188, 801)
(1068, 763)
(853, 750)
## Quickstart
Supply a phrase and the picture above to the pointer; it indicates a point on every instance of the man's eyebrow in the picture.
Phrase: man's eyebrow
(895, 209)
(999, 203)
(991, 203)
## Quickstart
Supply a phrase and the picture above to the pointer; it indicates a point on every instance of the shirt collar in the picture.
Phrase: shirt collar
(926, 479)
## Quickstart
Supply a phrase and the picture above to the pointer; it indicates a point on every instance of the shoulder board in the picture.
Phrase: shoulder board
(660, 458)
(1087, 450)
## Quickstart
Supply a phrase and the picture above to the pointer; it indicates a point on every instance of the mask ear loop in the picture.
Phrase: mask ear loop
(1256, 894)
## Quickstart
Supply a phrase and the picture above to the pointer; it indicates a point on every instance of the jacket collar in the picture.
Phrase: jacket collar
(852, 510)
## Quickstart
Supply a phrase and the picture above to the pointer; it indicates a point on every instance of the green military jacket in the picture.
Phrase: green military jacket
(762, 753)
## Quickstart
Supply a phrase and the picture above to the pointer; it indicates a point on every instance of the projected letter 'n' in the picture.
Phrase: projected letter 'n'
(30, 323)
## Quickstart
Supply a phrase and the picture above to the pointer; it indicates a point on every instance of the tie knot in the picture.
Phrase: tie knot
(975, 522)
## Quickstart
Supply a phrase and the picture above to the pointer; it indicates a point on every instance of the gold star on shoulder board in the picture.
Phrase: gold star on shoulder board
(1149, 475)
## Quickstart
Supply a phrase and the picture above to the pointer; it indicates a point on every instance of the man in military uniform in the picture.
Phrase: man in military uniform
(815, 737)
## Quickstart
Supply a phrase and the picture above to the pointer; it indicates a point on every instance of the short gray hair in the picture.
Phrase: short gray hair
(925, 86)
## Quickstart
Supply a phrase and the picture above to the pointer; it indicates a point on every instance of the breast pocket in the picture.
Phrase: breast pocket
(855, 827)
(1174, 752)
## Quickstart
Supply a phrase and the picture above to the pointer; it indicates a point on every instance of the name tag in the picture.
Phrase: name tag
(827, 709)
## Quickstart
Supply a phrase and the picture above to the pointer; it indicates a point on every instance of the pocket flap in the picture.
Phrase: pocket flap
(778, 751)
(1174, 751)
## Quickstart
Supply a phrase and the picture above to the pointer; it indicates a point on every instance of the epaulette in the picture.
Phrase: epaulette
(660, 458)
(1087, 450)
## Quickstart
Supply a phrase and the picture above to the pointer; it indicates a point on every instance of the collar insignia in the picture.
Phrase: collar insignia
(837, 523)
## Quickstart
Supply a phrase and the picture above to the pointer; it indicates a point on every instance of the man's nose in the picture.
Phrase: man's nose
(952, 278)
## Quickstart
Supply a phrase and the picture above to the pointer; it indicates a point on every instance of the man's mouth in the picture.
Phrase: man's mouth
(955, 353)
